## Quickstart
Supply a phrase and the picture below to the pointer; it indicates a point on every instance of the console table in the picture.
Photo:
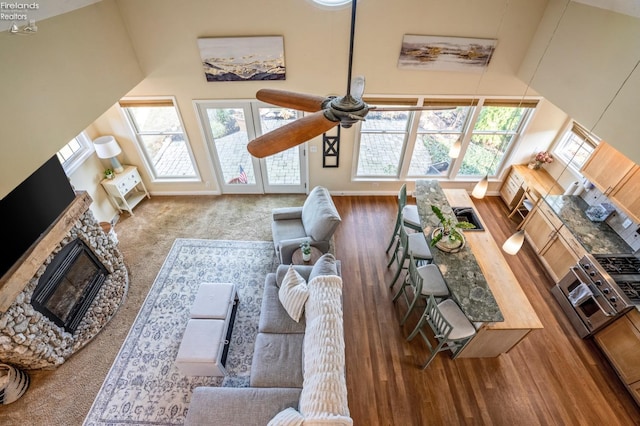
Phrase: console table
(126, 189)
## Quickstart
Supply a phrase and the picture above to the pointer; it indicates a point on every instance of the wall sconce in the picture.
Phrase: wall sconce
(29, 28)
(107, 147)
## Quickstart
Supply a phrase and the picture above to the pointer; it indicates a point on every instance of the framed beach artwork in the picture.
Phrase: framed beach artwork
(434, 53)
(242, 58)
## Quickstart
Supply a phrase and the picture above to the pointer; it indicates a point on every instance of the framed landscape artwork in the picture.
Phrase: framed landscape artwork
(435, 53)
(242, 58)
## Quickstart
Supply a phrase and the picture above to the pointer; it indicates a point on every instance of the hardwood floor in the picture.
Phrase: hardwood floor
(552, 377)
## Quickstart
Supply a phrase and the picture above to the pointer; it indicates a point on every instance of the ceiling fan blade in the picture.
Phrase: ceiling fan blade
(357, 86)
(290, 135)
(409, 108)
(283, 98)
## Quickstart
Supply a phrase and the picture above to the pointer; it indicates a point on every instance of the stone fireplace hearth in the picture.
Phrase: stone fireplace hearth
(28, 338)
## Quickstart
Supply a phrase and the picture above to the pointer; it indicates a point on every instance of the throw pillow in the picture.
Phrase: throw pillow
(326, 265)
(293, 293)
(287, 417)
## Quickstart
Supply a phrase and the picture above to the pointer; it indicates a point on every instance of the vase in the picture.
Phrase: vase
(13, 383)
(446, 245)
(306, 256)
(535, 165)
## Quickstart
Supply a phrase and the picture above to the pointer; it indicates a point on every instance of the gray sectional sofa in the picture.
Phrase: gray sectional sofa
(295, 364)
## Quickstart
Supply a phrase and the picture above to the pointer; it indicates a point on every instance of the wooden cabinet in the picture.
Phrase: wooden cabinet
(512, 189)
(620, 342)
(616, 176)
(626, 194)
(556, 247)
(606, 167)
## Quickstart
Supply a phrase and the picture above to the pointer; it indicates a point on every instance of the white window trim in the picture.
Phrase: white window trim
(593, 140)
(80, 156)
(467, 133)
(135, 137)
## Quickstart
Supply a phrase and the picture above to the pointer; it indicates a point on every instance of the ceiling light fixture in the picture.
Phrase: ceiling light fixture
(29, 28)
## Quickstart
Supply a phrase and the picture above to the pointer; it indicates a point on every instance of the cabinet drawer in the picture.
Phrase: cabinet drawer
(572, 242)
(545, 209)
(517, 179)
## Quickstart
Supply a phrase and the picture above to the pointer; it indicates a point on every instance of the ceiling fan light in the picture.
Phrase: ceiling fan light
(480, 190)
(454, 151)
(514, 243)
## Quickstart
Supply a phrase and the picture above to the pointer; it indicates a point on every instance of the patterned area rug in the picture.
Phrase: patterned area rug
(144, 387)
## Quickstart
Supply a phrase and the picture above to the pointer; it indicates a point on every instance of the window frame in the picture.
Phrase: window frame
(576, 130)
(158, 101)
(475, 104)
(73, 163)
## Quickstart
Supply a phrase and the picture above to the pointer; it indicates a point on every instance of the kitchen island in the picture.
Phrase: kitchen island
(479, 278)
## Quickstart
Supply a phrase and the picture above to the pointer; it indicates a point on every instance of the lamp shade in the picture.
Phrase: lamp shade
(480, 190)
(106, 147)
(454, 151)
(514, 243)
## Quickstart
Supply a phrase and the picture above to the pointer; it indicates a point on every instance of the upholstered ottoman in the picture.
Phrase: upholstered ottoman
(205, 342)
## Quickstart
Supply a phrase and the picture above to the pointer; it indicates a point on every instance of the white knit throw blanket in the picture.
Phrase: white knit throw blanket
(324, 392)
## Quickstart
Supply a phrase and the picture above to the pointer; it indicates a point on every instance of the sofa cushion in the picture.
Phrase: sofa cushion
(277, 361)
(326, 265)
(287, 417)
(222, 406)
(319, 214)
(293, 293)
(273, 317)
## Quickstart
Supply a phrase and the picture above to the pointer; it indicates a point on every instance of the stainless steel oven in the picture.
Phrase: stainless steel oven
(598, 290)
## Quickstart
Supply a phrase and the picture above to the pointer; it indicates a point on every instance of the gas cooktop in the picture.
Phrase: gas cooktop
(625, 271)
(619, 264)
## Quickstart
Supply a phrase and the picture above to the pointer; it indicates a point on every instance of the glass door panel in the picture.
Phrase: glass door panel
(282, 172)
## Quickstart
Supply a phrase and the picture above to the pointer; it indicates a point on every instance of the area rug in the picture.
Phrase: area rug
(144, 386)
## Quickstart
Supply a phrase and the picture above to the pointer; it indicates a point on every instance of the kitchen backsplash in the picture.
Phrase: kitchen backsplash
(618, 221)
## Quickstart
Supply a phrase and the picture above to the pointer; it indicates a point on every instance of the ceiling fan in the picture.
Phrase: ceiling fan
(326, 112)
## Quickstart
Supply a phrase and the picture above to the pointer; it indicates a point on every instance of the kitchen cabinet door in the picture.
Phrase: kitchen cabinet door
(558, 257)
(620, 341)
(626, 195)
(538, 229)
(606, 167)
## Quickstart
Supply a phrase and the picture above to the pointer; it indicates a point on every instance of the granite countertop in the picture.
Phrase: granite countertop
(460, 270)
(595, 237)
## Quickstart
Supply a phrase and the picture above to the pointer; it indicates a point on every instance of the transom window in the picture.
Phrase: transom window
(576, 146)
(414, 144)
(161, 138)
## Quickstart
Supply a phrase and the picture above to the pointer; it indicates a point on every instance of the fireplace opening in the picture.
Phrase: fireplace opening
(69, 284)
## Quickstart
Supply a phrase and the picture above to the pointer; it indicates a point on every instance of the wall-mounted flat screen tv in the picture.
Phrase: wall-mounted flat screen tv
(30, 209)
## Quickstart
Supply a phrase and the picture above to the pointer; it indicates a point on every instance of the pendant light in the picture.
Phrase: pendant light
(514, 243)
(454, 151)
(480, 190)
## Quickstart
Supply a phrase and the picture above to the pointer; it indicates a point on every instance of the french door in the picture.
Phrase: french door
(229, 126)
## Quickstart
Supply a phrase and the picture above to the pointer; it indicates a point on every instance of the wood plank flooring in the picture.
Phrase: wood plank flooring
(551, 378)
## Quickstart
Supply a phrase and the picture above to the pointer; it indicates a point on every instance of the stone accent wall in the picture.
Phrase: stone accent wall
(28, 339)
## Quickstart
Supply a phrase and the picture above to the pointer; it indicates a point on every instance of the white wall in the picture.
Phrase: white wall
(588, 55)
(57, 81)
(164, 37)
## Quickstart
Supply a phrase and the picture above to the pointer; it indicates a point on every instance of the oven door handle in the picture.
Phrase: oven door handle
(578, 272)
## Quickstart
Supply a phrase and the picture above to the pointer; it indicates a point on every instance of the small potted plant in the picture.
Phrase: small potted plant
(306, 250)
(543, 157)
(448, 237)
(109, 174)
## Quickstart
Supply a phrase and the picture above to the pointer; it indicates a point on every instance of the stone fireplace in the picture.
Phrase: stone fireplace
(61, 294)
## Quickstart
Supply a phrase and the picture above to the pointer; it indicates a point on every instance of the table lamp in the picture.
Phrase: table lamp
(107, 147)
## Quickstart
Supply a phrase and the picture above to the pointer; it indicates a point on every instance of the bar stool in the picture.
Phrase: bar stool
(424, 281)
(451, 328)
(407, 215)
(414, 244)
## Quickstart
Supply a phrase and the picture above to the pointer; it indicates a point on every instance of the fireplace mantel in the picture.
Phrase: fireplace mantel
(16, 279)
